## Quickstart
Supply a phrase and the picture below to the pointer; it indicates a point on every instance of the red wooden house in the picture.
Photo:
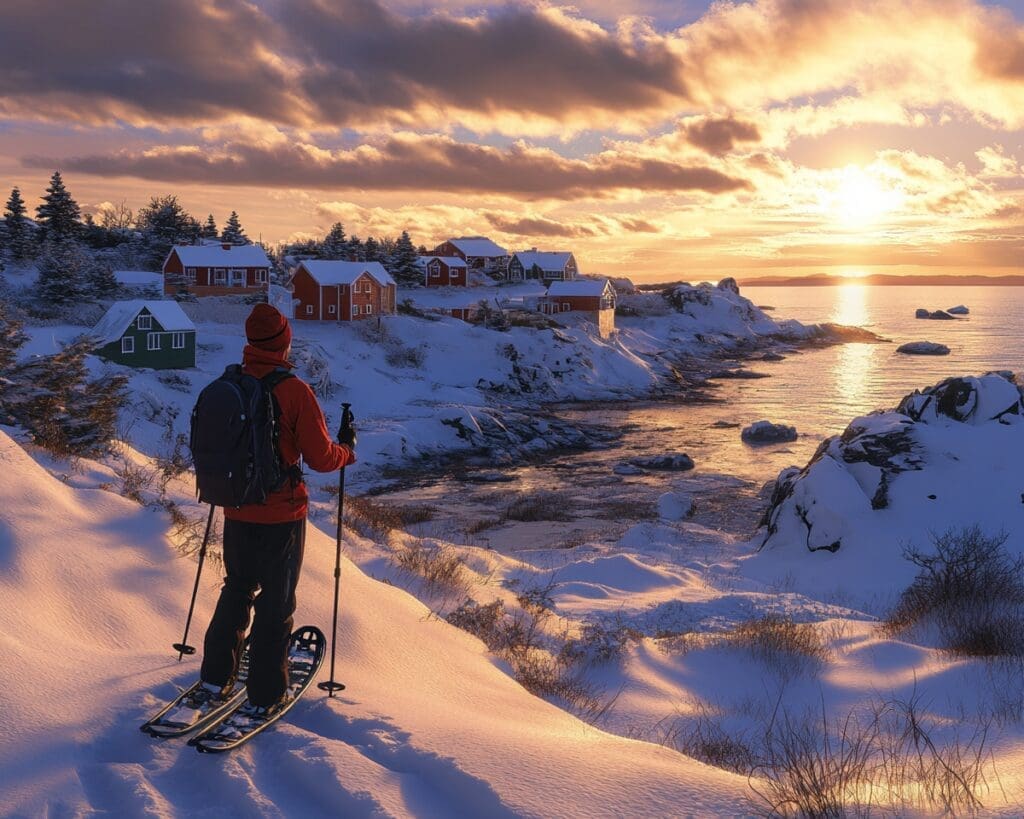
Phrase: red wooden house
(216, 270)
(479, 253)
(445, 271)
(596, 298)
(342, 291)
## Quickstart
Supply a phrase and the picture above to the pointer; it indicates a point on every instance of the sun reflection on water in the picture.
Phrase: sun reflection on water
(851, 306)
(855, 363)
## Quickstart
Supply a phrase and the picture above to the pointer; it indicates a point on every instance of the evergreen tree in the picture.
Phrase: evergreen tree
(402, 263)
(354, 249)
(209, 229)
(334, 245)
(63, 273)
(100, 282)
(371, 250)
(164, 223)
(17, 232)
(12, 337)
(59, 214)
(233, 231)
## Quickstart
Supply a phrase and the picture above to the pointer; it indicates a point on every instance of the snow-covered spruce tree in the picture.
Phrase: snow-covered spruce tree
(164, 223)
(100, 282)
(355, 249)
(371, 250)
(63, 273)
(59, 215)
(402, 263)
(18, 238)
(233, 231)
(12, 337)
(209, 229)
(334, 245)
(64, 412)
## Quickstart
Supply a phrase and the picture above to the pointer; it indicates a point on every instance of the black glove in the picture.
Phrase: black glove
(347, 436)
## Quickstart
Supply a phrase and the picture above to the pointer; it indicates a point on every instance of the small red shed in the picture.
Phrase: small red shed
(342, 291)
(444, 271)
(594, 297)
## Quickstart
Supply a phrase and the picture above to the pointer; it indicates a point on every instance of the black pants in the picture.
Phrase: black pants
(264, 558)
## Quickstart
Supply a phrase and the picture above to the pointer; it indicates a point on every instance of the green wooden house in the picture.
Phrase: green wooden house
(155, 334)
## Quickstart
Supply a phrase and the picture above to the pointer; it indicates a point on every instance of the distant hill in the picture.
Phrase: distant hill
(883, 279)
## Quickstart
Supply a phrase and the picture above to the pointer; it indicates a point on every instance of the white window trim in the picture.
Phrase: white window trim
(153, 341)
(355, 309)
(309, 309)
(565, 307)
(239, 277)
(144, 322)
(261, 276)
(177, 341)
(368, 309)
(220, 275)
(190, 273)
(435, 272)
(127, 345)
(330, 309)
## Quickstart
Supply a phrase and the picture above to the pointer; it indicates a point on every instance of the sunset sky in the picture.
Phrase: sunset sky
(656, 139)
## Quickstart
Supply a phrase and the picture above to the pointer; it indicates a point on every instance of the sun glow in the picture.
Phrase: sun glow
(861, 197)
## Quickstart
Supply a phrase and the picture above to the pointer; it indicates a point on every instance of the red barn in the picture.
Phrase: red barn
(597, 298)
(444, 271)
(216, 270)
(342, 291)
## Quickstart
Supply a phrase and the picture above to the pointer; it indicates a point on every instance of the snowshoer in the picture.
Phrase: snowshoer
(263, 543)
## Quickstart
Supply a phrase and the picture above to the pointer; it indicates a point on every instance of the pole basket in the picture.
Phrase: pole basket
(330, 686)
(184, 648)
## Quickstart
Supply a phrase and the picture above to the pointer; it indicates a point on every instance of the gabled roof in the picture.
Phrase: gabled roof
(478, 246)
(217, 256)
(337, 272)
(579, 287)
(544, 259)
(451, 261)
(119, 318)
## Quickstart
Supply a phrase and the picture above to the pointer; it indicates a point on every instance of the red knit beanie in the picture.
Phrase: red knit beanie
(267, 329)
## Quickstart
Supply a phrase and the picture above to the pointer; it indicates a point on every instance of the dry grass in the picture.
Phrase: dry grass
(439, 565)
(373, 518)
(786, 646)
(539, 506)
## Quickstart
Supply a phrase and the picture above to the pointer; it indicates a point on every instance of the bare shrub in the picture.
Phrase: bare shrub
(538, 506)
(788, 647)
(482, 621)
(705, 737)
(481, 525)
(437, 564)
(546, 676)
(970, 591)
(599, 642)
(630, 510)
(374, 518)
(537, 598)
(402, 356)
(187, 531)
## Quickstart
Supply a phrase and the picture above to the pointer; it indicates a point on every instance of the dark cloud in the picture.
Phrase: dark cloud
(537, 226)
(718, 136)
(637, 225)
(315, 63)
(430, 163)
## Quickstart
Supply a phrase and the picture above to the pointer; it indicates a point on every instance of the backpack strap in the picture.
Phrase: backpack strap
(270, 381)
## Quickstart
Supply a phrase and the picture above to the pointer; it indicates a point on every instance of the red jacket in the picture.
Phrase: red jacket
(303, 433)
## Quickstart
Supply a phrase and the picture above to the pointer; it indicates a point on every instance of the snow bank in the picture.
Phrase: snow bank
(91, 596)
(947, 457)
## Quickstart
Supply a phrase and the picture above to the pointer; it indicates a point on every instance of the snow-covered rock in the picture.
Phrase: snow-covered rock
(947, 456)
(923, 348)
(765, 432)
(959, 310)
(675, 506)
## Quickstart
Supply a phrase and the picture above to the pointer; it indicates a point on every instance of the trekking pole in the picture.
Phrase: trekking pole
(331, 686)
(183, 647)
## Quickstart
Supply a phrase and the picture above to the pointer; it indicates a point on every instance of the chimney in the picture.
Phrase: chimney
(226, 246)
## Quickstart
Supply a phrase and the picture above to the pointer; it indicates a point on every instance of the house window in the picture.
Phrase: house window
(565, 307)
(309, 309)
(153, 341)
(355, 309)
(144, 322)
(177, 341)
(261, 276)
(127, 344)
(435, 272)
(369, 309)
(330, 309)
(238, 277)
(190, 274)
(220, 275)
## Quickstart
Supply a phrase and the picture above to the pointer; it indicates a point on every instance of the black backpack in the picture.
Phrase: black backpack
(234, 440)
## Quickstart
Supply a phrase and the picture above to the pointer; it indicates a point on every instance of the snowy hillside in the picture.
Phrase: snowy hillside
(92, 597)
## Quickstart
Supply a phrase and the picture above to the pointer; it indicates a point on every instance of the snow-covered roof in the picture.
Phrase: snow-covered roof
(579, 287)
(121, 314)
(451, 261)
(217, 256)
(478, 246)
(338, 272)
(544, 259)
(139, 278)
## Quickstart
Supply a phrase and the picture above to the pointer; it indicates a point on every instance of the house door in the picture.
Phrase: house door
(238, 277)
